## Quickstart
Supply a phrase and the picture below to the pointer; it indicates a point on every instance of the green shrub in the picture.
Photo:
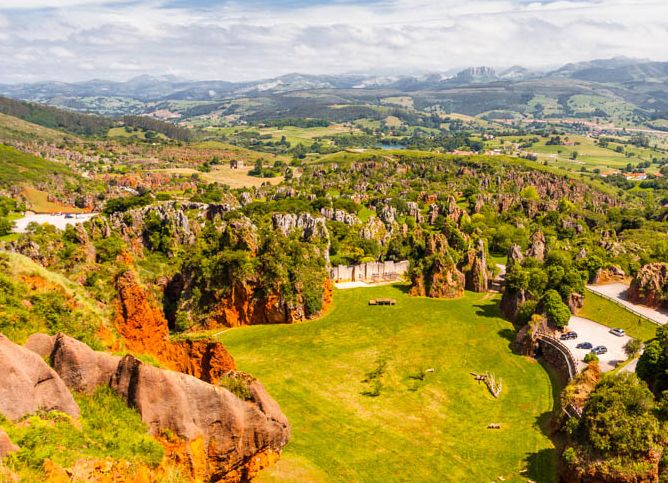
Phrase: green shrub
(556, 310)
(591, 357)
(108, 428)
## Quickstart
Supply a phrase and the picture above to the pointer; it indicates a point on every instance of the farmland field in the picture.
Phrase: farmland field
(405, 423)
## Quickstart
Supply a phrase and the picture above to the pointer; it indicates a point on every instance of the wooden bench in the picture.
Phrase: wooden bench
(382, 302)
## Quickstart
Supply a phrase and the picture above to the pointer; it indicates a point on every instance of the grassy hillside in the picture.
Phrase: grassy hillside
(17, 167)
(403, 423)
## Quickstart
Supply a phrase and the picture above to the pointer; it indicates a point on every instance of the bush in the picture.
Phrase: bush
(591, 357)
(556, 310)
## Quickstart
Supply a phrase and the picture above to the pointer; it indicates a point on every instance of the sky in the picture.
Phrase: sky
(75, 40)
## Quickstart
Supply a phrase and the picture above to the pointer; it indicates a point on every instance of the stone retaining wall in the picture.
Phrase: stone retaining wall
(370, 272)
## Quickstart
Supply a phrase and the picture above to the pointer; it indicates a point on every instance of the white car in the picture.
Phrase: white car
(618, 332)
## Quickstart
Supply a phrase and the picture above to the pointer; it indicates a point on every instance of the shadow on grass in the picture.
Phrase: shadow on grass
(509, 335)
(542, 465)
(488, 309)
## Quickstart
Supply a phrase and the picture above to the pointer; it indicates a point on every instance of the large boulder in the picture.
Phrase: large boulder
(439, 279)
(29, 385)
(41, 344)
(650, 285)
(80, 367)
(234, 431)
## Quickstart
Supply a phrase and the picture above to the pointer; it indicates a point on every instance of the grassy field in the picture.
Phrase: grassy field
(608, 313)
(235, 178)
(363, 407)
(38, 201)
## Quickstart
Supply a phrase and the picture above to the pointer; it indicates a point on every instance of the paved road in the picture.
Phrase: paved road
(59, 221)
(596, 334)
(618, 291)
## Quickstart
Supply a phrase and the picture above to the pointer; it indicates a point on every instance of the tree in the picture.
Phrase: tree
(633, 347)
(556, 310)
(618, 419)
(6, 226)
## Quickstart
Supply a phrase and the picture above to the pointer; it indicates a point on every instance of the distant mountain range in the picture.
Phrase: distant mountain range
(642, 83)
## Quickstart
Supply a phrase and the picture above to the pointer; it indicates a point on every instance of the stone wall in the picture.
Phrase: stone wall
(370, 272)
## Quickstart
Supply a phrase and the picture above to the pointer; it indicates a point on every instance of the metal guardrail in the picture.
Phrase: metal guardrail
(625, 307)
(571, 362)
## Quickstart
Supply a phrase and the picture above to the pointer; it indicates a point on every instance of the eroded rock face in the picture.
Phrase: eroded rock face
(511, 302)
(608, 275)
(514, 256)
(440, 279)
(145, 330)
(537, 246)
(575, 302)
(29, 384)
(650, 285)
(312, 227)
(233, 431)
(81, 368)
(475, 269)
(236, 435)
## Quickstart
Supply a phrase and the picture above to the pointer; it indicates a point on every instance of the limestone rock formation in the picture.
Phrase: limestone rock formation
(511, 301)
(341, 216)
(6, 445)
(650, 285)
(474, 267)
(575, 302)
(514, 256)
(439, 279)
(236, 434)
(312, 227)
(29, 384)
(608, 275)
(41, 344)
(81, 368)
(537, 246)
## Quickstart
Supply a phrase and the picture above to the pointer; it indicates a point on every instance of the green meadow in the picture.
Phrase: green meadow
(385, 393)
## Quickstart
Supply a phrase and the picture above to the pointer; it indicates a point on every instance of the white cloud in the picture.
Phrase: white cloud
(236, 40)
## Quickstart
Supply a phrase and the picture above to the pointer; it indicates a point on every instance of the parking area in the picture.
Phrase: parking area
(596, 334)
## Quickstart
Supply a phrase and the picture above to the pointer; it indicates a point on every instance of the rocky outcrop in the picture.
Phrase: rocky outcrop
(650, 285)
(515, 255)
(374, 229)
(537, 246)
(216, 434)
(341, 216)
(6, 446)
(29, 385)
(575, 302)
(312, 227)
(145, 330)
(474, 267)
(236, 434)
(609, 275)
(81, 368)
(511, 301)
(437, 275)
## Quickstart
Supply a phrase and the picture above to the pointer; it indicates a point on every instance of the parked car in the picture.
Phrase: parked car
(584, 345)
(568, 336)
(618, 332)
(599, 349)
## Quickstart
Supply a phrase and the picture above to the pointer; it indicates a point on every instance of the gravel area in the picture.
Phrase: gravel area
(618, 291)
(596, 334)
(59, 221)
